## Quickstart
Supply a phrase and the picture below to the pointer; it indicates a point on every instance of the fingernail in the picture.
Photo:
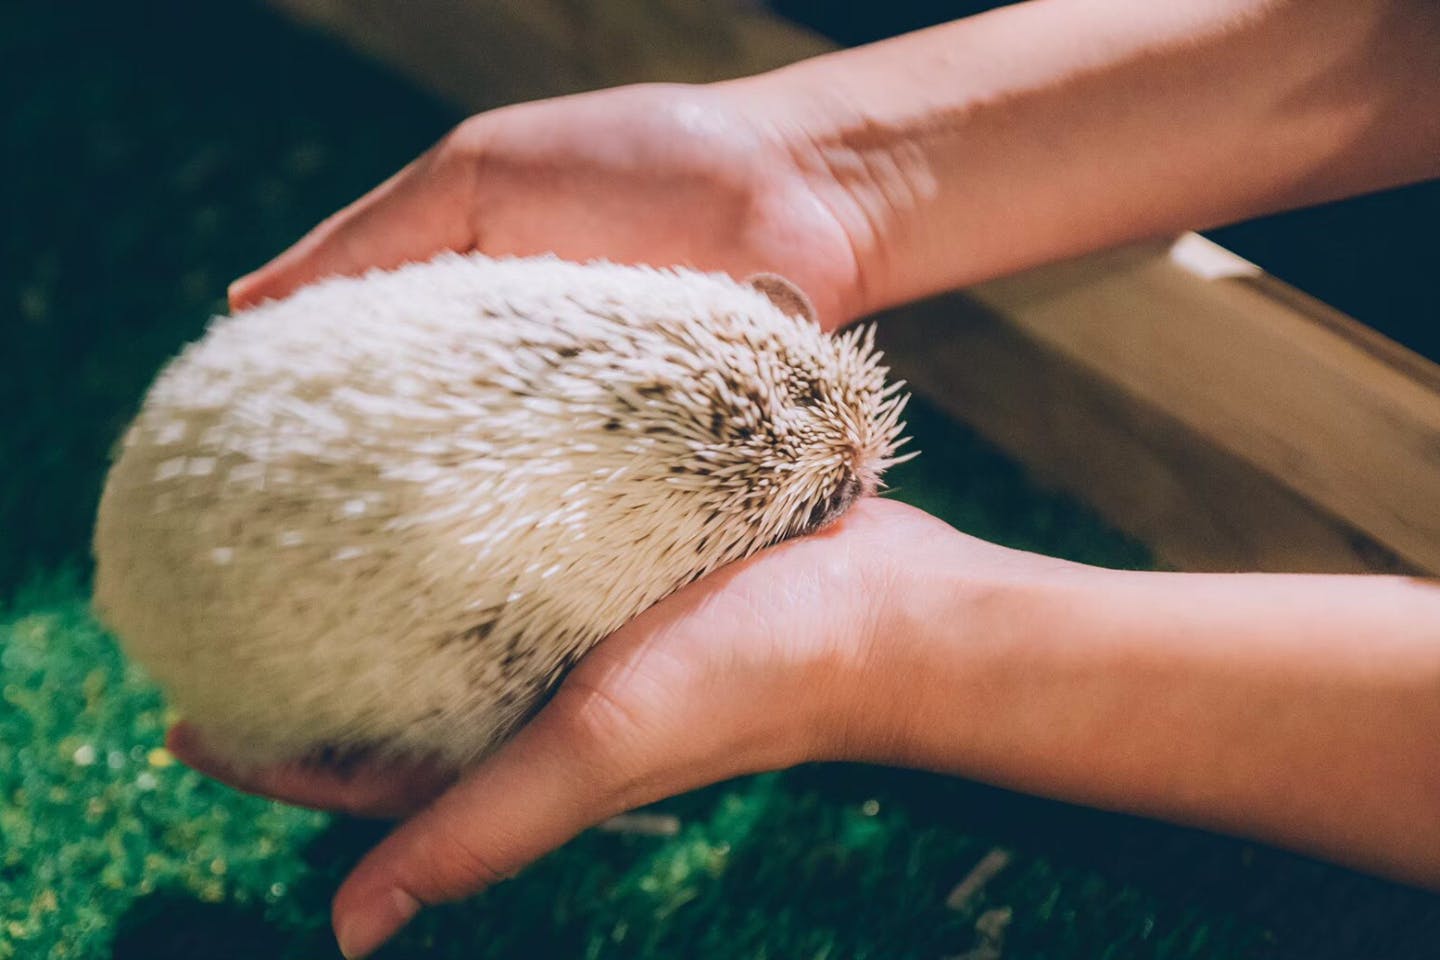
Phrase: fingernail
(361, 931)
(237, 290)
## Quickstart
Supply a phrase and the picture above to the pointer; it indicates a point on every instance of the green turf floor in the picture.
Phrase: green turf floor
(153, 152)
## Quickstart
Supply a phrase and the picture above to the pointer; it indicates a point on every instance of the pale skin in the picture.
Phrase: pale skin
(1302, 711)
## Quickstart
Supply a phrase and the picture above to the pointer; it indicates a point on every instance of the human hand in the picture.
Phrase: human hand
(756, 667)
(707, 177)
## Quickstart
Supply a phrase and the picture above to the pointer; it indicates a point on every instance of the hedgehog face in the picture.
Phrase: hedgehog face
(795, 426)
(833, 505)
(845, 428)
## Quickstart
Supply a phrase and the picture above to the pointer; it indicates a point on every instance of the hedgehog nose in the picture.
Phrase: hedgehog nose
(833, 507)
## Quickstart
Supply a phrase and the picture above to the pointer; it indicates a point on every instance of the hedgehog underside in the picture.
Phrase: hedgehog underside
(346, 756)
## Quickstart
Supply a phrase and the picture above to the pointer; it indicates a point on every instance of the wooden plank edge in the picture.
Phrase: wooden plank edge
(1343, 416)
(1196, 505)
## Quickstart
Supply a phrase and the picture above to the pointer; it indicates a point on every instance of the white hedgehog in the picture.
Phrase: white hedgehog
(387, 513)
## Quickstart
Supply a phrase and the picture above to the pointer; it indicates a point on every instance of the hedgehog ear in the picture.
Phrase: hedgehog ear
(789, 298)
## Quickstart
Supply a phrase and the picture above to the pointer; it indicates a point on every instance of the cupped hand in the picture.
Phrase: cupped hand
(744, 671)
(756, 667)
(707, 177)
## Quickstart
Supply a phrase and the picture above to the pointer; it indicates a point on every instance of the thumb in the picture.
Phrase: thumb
(421, 210)
(659, 708)
(566, 770)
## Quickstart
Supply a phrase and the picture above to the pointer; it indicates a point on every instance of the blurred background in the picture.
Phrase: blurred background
(156, 150)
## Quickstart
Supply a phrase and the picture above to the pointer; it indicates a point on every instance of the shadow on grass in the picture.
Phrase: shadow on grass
(176, 924)
(1297, 907)
(844, 860)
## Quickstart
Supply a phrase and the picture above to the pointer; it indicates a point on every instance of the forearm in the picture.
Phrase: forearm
(1057, 127)
(1300, 710)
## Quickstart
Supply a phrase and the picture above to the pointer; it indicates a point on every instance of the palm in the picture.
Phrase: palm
(654, 175)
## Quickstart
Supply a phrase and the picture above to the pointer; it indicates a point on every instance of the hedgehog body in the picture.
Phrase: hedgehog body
(387, 513)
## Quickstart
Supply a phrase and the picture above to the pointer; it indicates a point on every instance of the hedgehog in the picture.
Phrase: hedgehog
(386, 514)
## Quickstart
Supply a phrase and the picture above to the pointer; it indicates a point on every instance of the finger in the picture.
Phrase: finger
(380, 790)
(418, 212)
(613, 737)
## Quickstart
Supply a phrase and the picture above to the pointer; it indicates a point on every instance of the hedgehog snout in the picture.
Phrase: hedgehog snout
(833, 507)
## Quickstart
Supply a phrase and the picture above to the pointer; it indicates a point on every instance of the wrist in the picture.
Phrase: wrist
(952, 621)
(866, 170)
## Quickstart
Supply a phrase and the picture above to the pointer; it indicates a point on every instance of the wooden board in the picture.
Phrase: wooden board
(1346, 419)
(1198, 506)
(1225, 419)
(483, 53)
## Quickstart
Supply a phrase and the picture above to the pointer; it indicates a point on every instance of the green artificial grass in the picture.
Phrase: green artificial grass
(159, 151)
